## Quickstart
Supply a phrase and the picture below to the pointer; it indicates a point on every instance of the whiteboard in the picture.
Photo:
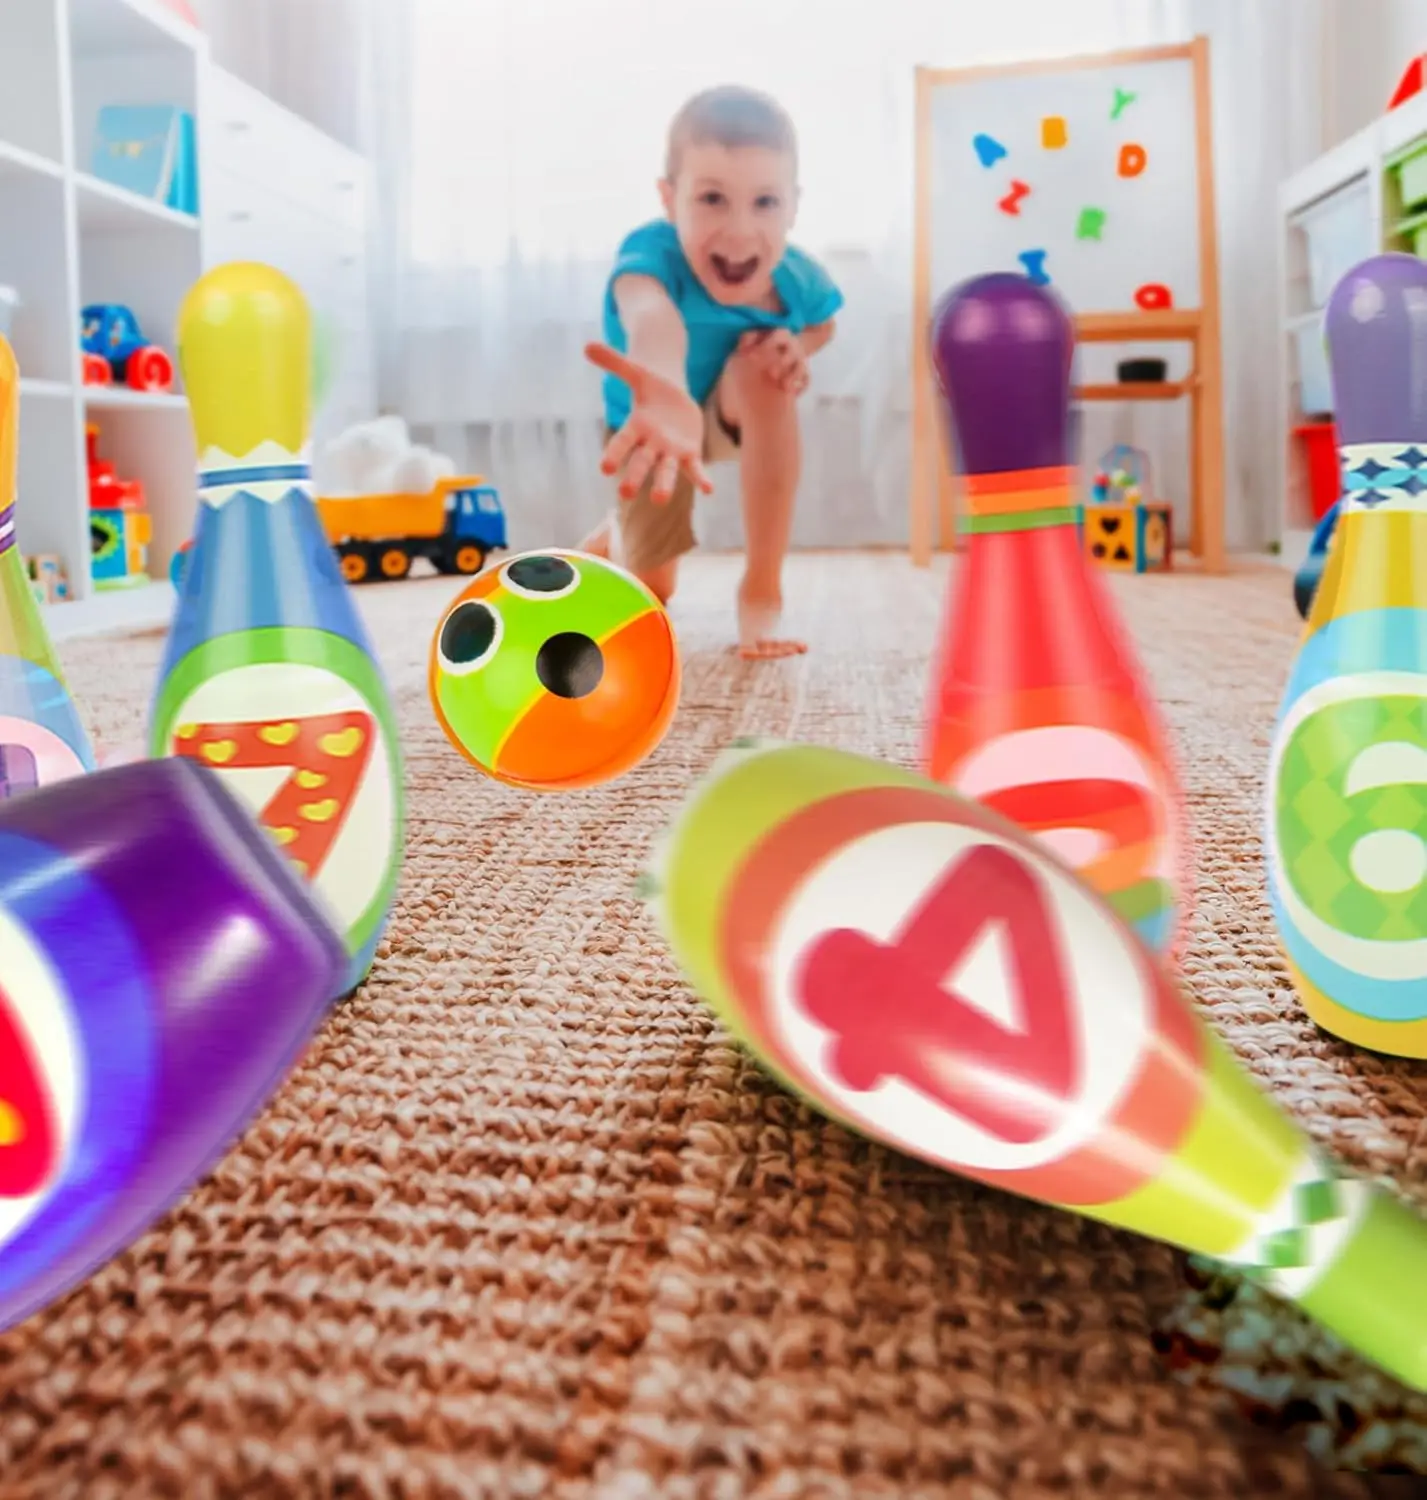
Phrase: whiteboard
(1112, 200)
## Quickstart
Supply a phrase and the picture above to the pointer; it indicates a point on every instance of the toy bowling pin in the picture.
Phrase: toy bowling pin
(269, 676)
(1038, 704)
(1346, 836)
(41, 737)
(161, 968)
(930, 974)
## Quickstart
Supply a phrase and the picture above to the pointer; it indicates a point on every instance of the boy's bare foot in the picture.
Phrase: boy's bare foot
(596, 544)
(757, 623)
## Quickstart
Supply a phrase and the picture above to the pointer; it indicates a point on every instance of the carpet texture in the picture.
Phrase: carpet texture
(524, 1223)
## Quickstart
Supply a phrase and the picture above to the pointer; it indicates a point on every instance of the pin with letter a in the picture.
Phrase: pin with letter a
(926, 972)
(269, 676)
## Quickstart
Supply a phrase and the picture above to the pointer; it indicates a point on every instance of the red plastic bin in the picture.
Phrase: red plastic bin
(1320, 445)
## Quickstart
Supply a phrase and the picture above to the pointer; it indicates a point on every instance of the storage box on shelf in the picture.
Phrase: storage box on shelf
(1355, 201)
(1332, 234)
(1338, 231)
(1406, 197)
(74, 238)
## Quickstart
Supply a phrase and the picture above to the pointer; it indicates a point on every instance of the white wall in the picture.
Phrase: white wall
(1372, 41)
(309, 55)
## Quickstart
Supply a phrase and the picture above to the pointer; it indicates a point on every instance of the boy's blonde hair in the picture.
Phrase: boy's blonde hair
(730, 116)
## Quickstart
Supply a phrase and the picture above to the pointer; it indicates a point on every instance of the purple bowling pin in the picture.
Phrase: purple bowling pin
(1039, 707)
(1347, 783)
(162, 967)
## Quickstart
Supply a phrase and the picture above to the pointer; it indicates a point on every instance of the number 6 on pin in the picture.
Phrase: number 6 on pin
(1346, 834)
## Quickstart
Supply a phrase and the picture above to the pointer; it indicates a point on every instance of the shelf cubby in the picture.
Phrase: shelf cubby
(50, 474)
(294, 198)
(1354, 183)
(34, 261)
(31, 68)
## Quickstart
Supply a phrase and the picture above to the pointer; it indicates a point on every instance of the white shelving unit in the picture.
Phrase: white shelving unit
(1337, 211)
(271, 188)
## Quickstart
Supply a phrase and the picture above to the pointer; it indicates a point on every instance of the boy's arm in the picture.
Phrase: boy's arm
(653, 326)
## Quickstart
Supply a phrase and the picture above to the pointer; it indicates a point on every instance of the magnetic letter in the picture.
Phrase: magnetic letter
(1011, 203)
(1034, 262)
(1132, 160)
(1092, 221)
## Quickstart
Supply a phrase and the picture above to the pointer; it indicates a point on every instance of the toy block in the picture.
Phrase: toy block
(1154, 538)
(1130, 538)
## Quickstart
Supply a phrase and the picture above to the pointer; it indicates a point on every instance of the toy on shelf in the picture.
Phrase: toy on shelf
(1407, 171)
(1123, 476)
(385, 501)
(1121, 527)
(48, 580)
(183, 9)
(120, 527)
(1134, 539)
(149, 150)
(1410, 84)
(115, 349)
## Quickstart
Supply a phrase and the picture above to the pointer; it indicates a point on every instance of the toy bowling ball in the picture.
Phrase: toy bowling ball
(555, 671)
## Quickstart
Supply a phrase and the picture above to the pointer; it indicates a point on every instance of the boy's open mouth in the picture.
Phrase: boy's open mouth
(734, 272)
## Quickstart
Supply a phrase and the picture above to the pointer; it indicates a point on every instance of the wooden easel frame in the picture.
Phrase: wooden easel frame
(934, 490)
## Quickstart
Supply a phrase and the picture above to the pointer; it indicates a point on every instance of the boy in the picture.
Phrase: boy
(710, 319)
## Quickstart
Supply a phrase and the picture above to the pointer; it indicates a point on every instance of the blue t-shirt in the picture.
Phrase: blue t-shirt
(807, 292)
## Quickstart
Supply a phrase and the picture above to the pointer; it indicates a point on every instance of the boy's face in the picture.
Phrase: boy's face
(733, 207)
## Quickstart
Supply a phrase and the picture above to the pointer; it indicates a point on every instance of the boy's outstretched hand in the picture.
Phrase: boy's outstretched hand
(664, 433)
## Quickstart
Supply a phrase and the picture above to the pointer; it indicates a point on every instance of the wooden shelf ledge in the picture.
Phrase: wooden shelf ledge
(1136, 390)
(1138, 327)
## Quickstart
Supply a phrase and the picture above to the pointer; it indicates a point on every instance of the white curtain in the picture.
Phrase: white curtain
(517, 142)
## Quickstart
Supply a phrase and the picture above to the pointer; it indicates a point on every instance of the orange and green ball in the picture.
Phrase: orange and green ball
(555, 671)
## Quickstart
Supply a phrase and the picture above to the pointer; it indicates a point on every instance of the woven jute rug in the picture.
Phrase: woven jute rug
(525, 1223)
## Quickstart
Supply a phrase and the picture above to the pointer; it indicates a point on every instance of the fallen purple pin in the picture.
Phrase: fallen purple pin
(162, 968)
